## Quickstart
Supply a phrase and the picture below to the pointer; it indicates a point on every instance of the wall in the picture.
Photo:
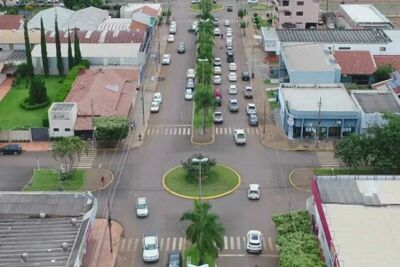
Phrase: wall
(314, 76)
(62, 124)
(15, 136)
(310, 11)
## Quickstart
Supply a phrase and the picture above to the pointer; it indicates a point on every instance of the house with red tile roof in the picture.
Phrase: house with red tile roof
(356, 66)
(392, 60)
(10, 22)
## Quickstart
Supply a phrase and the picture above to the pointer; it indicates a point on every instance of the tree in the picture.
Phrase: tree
(206, 7)
(192, 169)
(79, 4)
(28, 52)
(205, 231)
(77, 49)
(70, 57)
(111, 129)
(204, 73)
(241, 13)
(350, 151)
(37, 92)
(204, 99)
(243, 26)
(60, 63)
(45, 60)
(68, 152)
(383, 72)
(4, 3)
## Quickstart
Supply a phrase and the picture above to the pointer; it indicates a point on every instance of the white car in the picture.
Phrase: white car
(232, 77)
(227, 23)
(155, 107)
(191, 73)
(253, 192)
(232, 90)
(254, 241)
(217, 32)
(172, 23)
(228, 34)
(217, 70)
(251, 109)
(188, 94)
(217, 61)
(166, 59)
(171, 38)
(229, 29)
(232, 66)
(142, 209)
(252, 1)
(172, 29)
(150, 248)
(239, 136)
(157, 97)
(217, 79)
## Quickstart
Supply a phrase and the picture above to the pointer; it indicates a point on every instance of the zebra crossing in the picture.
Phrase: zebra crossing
(231, 244)
(86, 161)
(186, 130)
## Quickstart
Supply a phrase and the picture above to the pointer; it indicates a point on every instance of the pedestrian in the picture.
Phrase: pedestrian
(103, 179)
(222, 36)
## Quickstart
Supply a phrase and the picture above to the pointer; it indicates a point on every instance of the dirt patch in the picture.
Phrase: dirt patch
(200, 138)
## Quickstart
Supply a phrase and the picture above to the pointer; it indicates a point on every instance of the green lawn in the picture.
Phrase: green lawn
(196, 7)
(341, 171)
(12, 116)
(48, 180)
(271, 95)
(198, 120)
(259, 7)
(222, 180)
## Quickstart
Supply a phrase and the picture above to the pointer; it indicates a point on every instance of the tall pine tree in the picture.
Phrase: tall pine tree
(28, 53)
(60, 65)
(77, 49)
(70, 57)
(43, 47)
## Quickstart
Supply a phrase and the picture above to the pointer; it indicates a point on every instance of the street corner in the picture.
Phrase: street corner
(98, 179)
(301, 178)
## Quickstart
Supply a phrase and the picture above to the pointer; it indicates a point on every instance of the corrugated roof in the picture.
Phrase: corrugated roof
(112, 24)
(86, 19)
(377, 101)
(364, 14)
(96, 36)
(49, 15)
(10, 22)
(355, 62)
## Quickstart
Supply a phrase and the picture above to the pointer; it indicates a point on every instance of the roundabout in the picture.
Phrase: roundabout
(222, 181)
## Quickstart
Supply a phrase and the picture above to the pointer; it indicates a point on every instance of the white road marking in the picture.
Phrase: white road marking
(225, 130)
(167, 244)
(179, 131)
(239, 247)
(180, 243)
(170, 131)
(248, 130)
(129, 244)
(100, 165)
(232, 241)
(257, 131)
(225, 242)
(230, 131)
(173, 243)
(161, 243)
(175, 130)
(149, 131)
(121, 248)
(264, 244)
(166, 131)
(157, 130)
(184, 131)
(188, 131)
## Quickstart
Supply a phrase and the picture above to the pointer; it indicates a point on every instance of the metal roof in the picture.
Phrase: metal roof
(359, 36)
(377, 101)
(364, 14)
(62, 106)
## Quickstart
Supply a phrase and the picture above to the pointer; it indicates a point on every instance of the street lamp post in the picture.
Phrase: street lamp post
(200, 161)
(252, 63)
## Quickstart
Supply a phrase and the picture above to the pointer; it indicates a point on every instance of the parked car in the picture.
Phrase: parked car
(217, 79)
(215, 22)
(218, 96)
(191, 73)
(166, 59)
(181, 48)
(195, 1)
(252, 1)
(248, 92)
(217, 61)
(229, 56)
(217, 70)
(142, 209)
(217, 32)
(232, 77)
(218, 118)
(188, 94)
(330, 26)
(229, 8)
(157, 97)
(150, 248)
(254, 241)
(11, 149)
(172, 29)
(190, 84)
(228, 34)
(239, 136)
(245, 76)
(253, 192)
(320, 21)
(232, 66)
(232, 90)
(174, 259)
(155, 107)
(227, 23)
(171, 38)
(233, 105)
(251, 109)
(252, 119)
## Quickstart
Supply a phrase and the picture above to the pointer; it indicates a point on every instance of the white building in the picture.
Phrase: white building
(364, 16)
(373, 105)
(62, 118)
(127, 11)
(15, 40)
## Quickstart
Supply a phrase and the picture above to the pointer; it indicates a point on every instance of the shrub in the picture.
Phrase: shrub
(111, 128)
(25, 105)
(22, 70)
(68, 81)
(255, 14)
(45, 121)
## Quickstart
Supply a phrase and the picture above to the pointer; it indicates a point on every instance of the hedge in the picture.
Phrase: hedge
(66, 84)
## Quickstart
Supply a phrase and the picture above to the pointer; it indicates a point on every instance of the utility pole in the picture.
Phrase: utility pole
(265, 113)
(94, 128)
(318, 122)
(327, 5)
(252, 63)
(142, 99)
(109, 224)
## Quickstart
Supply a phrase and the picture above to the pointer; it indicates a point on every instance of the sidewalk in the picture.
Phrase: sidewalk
(98, 252)
(272, 136)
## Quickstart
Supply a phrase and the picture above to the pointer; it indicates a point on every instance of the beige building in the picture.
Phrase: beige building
(300, 14)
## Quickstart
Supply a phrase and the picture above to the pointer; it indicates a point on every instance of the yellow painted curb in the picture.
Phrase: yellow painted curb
(294, 185)
(198, 11)
(206, 198)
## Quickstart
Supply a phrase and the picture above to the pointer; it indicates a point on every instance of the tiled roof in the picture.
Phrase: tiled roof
(147, 10)
(10, 22)
(393, 60)
(99, 36)
(136, 25)
(355, 62)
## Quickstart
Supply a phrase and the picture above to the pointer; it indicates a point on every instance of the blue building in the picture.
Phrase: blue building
(302, 106)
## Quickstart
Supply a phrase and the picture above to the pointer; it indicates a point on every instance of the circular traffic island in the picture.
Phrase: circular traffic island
(197, 7)
(221, 181)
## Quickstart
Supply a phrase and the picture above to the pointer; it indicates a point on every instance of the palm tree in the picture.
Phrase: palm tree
(205, 230)
(204, 99)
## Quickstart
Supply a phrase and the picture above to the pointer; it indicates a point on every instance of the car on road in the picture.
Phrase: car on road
(195, 25)
(155, 107)
(233, 105)
(150, 248)
(166, 59)
(217, 32)
(142, 209)
(217, 61)
(228, 34)
(232, 66)
(239, 136)
(188, 94)
(215, 22)
(229, 56)
(172, 29)
(254, 241)
(11, 149)
(195, 1)
(190, 84)
(190, 73)
(171, 38)
(251, 108)
(248, 92)
(252, 1)
(252, 120)
(227, 23)
(174, 259)
(229, 8)
(218, 96)
(157, 97)
(245, 76)
(217, 70)
(232, 90)
(253, 192)
(181, 48)
(217, 79)
(218, 118)
(232, 77)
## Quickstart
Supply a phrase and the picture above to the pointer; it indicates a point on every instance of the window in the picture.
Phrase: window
(285, 3)
(56, 129)
(288, 13)
(300, 3)
(299, 13)
(382, 48)
(344, 48)
(67, 129)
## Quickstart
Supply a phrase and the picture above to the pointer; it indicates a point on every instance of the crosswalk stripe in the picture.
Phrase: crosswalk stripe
(161, 243)
(244, 241)
(239, 247)
(232, 241)
(230, 131)
(167, 244)
(188, 131)
(264, 244)
(216, 130)
(148, 131)
(166, 131)
(121, 248)
(225, 130)
(175, 130)
(179, 131)
(184, 245)
(257, 131)
(129, 244)
(225, 242)
(173, 243)
(135, 245)
(248, 130)
(270, 243)
(180, 243)
(170, 131)
(184, 131)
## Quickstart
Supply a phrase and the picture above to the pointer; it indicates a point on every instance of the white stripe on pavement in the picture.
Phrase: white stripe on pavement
(225, 242)
(239, 247)
(173, 243)
(232, 241)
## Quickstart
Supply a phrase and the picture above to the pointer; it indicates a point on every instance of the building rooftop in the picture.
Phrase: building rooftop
(317, 58)
(355, 62)
(123, 36)
(17, 36)
(48, 16)
(10, 22)
(372, 101)
(63, 106)
(393, 60)
(86, 19)
(113, 24)
(364, 14)
(305, 97)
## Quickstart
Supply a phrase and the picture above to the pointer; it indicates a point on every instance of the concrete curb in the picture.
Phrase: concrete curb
(191, 135)
(293, 184)
(212, 10)
(206, 198)
(110, 182)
